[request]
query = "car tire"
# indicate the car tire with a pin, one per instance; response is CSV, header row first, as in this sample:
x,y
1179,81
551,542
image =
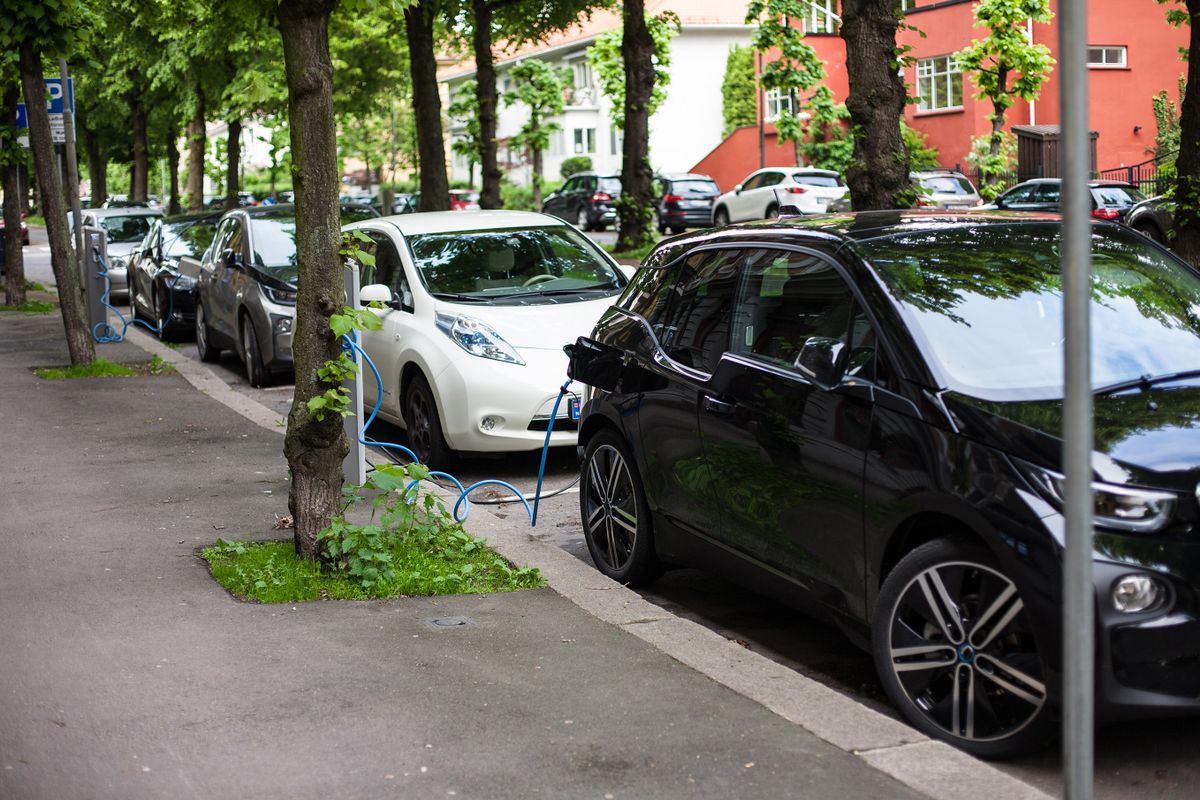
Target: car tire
x,y
425,437
204,346
1151,232
256,373
662,229
133,309
953,624
614,512
676,231
720,217
581,220
772,212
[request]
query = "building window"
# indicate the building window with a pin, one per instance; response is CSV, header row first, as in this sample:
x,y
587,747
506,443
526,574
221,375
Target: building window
x,y
616,141
905,5
585,141
779,104
1106,57
939,84
819,18
582,73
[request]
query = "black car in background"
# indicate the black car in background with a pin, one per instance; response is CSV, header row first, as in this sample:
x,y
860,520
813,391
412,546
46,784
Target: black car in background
x,y
861,416
1110,199
162,289
1154,218
685,201
587,199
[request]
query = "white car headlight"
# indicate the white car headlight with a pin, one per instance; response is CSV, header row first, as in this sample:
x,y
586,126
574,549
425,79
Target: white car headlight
x,y
1119,508
477,338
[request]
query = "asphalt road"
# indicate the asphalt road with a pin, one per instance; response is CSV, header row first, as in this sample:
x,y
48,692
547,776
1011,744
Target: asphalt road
x,y
1153,760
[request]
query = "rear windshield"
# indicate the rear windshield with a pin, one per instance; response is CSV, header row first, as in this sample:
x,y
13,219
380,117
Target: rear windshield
x,y
187,238
127,229
1118,196
609,185
466,197
947,184
694,188
831,181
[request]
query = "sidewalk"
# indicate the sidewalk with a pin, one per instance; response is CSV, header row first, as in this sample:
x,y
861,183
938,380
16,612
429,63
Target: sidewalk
x,y
126,672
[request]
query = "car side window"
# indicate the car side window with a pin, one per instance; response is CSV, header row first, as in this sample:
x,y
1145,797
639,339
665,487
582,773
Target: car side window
x,y
1022,194
1048,193
237,239
754,182
771,178
694,329
785,300
865,360
388,269
219,241
570,186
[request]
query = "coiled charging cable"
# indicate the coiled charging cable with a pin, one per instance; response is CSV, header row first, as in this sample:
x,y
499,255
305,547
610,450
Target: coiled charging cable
x,y
103,332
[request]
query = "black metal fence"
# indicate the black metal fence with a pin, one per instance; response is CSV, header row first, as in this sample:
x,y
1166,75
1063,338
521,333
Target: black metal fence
x,y
1147,176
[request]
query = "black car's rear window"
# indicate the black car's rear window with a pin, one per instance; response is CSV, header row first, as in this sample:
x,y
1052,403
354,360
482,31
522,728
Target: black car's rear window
x,y
694,188
1118,196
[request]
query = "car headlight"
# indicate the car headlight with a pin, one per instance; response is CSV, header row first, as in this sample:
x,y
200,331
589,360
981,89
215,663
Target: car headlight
x,y
284,297
477,338
1118,508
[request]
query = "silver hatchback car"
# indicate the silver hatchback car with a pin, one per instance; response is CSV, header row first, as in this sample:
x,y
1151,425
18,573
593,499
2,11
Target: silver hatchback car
x,y
945,189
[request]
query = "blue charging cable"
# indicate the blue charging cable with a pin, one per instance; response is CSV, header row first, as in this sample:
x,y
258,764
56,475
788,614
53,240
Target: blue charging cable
x,y
105,333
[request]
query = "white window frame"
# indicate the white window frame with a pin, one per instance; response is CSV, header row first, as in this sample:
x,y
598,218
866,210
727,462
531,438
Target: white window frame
x,y
584,141
581,74
908,5
776,103
946,70
616,140
820,17
1105,51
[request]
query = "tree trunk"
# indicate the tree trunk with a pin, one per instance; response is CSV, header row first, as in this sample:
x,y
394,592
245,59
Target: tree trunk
x,y
636,176
173,206
97,169
139,183
14,262
23,178
878,175
427,106
62,255
314,449
233,161
535,156
1187,164
196,145
485,90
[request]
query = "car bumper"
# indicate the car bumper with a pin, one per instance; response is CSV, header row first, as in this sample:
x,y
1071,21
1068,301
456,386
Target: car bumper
x,y
118,280
687,217
490,406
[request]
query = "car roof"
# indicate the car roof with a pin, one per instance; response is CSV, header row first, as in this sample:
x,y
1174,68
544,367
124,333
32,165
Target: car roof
x,y
455,221
127,211
591,173
1092,183
685,176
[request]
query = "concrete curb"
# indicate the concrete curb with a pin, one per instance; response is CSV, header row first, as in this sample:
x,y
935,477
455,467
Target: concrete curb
x,y
933,768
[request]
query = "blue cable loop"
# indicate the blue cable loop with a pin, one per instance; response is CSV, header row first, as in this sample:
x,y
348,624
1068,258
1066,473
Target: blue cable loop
x,y
350,345
104,333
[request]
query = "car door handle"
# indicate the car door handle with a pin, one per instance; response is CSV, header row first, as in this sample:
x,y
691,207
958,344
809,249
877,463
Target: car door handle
x,y
714,406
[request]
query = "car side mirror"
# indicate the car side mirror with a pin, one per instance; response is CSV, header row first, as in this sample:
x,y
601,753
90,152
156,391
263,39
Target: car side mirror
x,y
737,189
377,293
231,259
820,360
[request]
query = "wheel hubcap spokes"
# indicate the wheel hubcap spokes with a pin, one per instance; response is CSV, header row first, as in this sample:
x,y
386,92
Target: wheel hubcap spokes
x,y
611,506
419,432
963,651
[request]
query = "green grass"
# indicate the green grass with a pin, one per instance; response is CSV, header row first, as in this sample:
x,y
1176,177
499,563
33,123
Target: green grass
x,y
33,286
637,254
31,307
35,219
100,368
449,562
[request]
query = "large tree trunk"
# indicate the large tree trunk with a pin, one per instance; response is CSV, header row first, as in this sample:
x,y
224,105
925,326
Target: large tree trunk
x,y
23,178
535,156
1187,164
139,184
14,262
62,255
97,168
636,176
314,449
196,146
427,106
173,206
233,163
878,175
485,90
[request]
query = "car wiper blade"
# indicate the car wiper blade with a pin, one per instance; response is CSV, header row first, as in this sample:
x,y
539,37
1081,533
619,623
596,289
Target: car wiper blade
x,y
452,296
1146,381
581,290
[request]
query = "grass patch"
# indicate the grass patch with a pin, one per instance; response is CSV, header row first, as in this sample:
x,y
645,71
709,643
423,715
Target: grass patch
x,y
103,368
33,286
637,254
270,572
35,219
31,307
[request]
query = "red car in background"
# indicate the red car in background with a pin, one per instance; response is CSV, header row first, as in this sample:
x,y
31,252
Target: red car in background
x,y
464,200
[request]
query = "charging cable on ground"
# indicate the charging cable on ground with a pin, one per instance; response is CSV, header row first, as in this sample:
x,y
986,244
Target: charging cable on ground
x,y
103,332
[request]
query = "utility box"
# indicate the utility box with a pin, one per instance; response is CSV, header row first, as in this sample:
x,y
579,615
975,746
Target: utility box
x,y
95,240
1038,151
355,464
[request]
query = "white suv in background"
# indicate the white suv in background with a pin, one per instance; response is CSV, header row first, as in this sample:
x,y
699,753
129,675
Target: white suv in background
x,y
808,190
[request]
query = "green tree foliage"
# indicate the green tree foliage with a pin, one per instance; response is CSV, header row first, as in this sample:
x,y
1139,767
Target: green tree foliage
x,y
539,88
739,98
991,164
608,63
798,68
464,110
829,144
1005,66
920,155
574,164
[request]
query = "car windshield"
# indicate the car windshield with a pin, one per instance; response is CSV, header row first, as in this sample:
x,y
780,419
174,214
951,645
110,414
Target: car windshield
x,y
127,229
609,185
1118,196
985,305
517,265
947,184
695,188
831,181
188,238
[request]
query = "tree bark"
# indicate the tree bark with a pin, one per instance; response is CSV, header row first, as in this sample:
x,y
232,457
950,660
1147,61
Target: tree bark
x,y
878,175
139,183
427,106
14,261
173,206
62,255
485,91
196,146
1187,165
233,159
535,155
97,168
314,449
636,176
23,178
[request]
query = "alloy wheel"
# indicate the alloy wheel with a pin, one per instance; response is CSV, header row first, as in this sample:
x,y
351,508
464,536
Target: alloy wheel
x,y
610,510
420,426
964,654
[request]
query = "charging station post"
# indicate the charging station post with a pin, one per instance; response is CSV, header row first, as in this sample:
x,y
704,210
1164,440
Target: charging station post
x,y
93,257
355,464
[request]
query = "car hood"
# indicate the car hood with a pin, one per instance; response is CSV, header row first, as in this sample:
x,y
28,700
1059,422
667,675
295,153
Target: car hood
x,y
1147,438
122,249
539,327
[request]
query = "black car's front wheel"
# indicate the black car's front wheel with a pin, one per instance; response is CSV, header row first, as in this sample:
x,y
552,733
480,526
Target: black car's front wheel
x,y
612,504
956,653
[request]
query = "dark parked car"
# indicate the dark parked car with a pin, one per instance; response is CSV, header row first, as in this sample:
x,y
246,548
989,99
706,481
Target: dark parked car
x,y
587,199
685,201
1154,218
24,232
163,271
1110,199
862,416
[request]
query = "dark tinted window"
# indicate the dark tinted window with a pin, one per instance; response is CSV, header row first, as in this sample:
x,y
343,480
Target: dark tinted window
x,y
754,182
387,269
648,291
274,240
694,188
1020,194
947,184
770,178
1117,196
694,329
1048,193
831,181
785,299
188,238
610,186
127,229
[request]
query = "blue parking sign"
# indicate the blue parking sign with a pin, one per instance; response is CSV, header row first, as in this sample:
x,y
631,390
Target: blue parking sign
x,y
22,117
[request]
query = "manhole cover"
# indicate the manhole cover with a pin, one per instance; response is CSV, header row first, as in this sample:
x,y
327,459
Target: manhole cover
x,y
449,623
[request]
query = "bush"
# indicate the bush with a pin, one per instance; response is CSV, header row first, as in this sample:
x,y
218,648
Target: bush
x,y
574,164
520,198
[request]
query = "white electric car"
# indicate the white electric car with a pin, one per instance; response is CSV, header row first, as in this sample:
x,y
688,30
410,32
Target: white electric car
x,y
478,306
806,189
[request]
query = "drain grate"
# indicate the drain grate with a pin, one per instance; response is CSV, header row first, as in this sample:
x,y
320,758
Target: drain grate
x,y
449,623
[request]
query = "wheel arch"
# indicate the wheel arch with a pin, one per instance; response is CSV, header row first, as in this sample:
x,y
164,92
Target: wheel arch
x,y
919,529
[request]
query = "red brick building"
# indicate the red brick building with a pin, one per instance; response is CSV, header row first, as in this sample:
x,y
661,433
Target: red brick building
x,y
1132,53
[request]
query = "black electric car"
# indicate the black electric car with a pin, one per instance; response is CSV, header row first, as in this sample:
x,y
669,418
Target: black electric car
x,y
162,272
861,415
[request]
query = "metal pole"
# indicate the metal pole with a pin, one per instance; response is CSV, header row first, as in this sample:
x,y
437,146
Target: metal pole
x,y
1078,592
762,111
72,165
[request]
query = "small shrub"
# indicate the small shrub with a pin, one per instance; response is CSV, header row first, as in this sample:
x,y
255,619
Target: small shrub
x,y
574,164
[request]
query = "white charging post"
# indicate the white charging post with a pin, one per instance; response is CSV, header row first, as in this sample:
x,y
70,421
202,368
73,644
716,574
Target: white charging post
x,y
355,464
